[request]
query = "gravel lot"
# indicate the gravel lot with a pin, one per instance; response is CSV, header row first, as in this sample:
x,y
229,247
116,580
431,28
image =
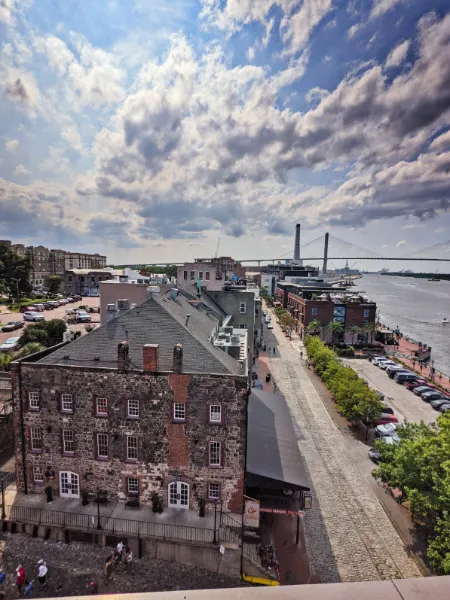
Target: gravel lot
x,y
72,567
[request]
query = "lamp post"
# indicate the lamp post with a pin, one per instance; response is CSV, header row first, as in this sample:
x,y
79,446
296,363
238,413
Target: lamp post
x,y
98,509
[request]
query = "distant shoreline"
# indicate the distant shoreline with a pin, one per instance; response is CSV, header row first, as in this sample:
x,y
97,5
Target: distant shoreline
x,y
442,276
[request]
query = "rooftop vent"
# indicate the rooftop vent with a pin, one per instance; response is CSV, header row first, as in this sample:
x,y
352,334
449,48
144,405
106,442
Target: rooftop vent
x,y
174,293
153,290
122,305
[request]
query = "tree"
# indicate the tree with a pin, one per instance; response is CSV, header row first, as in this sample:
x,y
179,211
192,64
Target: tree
x,y
354,330
14,272
335,327
5,359
314,327
53,283
370,328
439,547
30,348
46,333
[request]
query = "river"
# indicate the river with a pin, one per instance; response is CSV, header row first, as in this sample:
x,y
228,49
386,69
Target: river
x,y
417,306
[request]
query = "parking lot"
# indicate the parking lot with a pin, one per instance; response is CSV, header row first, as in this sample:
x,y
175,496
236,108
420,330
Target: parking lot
x,y
56,313
406,405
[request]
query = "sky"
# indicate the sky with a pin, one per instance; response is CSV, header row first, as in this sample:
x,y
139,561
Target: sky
x,y
158,131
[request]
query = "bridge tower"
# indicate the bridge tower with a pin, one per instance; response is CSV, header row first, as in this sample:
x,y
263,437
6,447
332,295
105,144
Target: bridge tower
x,y
325,254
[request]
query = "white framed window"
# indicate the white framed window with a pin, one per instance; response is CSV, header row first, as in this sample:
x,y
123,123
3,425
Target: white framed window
x,y
207,275
243,307
242,326
132,447
38,474
101,407
68,441
179,411
102,445
133,408
133,485
215,454
33,400
215,413
185,275
36,439
200,274
214,490
66,403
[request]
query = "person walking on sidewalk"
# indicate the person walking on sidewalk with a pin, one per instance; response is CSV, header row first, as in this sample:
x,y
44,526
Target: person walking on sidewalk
x,y
42,571
28,589
128,560
119,551
20,579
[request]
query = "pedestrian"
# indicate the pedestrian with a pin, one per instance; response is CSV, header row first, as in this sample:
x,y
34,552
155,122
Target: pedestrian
x,y
264,348
274,350
20,579
93,588
28,588
119,549
108,568
128,559
42,571
301,354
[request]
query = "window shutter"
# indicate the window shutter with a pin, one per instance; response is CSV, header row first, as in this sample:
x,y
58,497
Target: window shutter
x,y
94,405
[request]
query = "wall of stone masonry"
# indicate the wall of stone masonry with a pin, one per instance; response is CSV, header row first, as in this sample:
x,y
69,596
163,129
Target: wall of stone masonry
x,y
168,451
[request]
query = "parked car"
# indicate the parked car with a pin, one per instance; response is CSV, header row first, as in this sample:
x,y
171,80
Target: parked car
x,y
384,364
9,344
391,371
24,309
410,385
12,326
434,395
373,357
33,316
378,359
70,300
387,429
386,418
387,410
54,303
269,325
401,377
444,407
424,390
48,306
374,455
83,317
439,402
38,307
77,298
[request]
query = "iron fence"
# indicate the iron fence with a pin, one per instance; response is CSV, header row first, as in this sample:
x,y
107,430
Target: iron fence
x,y
7,478
71,520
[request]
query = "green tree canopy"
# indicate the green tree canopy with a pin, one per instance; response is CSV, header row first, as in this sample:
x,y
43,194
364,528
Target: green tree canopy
x,y
53,283
46,333
30,348
14,272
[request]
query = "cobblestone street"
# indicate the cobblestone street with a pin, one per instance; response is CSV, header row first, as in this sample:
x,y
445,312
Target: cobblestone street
x,y
349,536
71,567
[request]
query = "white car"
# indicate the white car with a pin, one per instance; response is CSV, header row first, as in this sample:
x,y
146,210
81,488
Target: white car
x,y
377,361
387,363
33,316
9,344
384,430
269,325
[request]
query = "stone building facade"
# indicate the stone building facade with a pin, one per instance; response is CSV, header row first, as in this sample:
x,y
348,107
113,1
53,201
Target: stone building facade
x,y
131,432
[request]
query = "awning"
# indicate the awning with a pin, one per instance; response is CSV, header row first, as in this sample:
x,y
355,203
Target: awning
x,y
273,457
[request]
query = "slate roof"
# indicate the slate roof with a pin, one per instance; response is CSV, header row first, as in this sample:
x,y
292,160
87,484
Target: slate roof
x,y
160,320
208,302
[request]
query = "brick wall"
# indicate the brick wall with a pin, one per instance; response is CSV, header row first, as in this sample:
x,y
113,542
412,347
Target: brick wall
x,y
167,450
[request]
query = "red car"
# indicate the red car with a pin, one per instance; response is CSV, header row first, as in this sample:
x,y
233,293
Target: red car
x,y
26,309
386,418
413,384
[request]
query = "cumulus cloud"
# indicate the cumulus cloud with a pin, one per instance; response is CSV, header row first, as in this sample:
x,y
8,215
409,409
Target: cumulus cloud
x,y
353,30
250,53
7,11
12,145
442,142
381,7
21,170
398,54
296,28
400,243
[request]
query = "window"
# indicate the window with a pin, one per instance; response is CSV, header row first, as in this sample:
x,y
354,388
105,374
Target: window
x,y
185,275
314,312
366,313
242,326
179,412
215,413
101,407
36,439
102,445
68,441
339,314
38,475
133,408
215,451
66,403
133,485
192,276
33,400
132,447
207,275
214,490
242,307
70,278
200,274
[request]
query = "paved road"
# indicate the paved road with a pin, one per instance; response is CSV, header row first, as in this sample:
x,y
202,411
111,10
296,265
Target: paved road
x,y
406,405
349,536
56,313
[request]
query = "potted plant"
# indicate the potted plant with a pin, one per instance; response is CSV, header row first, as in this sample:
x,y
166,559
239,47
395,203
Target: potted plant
x,y
157,503
201,507
84,497
49,493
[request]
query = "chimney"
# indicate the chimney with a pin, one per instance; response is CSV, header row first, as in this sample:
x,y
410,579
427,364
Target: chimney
x,y
188,316
178,359
297,244
150,358
110,312
123,360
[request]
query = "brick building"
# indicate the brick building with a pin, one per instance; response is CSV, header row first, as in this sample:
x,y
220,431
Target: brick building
x,y
144,404
307,304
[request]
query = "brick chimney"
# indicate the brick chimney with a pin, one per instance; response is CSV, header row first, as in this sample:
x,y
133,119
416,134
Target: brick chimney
x,y
150,357
123,359
178,359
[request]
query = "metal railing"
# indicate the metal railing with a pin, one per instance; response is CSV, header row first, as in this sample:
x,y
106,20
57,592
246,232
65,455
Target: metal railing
x,y
71,520
7,478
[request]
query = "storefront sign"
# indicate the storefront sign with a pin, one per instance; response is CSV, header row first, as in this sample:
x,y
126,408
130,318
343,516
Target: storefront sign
x,y
251,512
307,500
283,511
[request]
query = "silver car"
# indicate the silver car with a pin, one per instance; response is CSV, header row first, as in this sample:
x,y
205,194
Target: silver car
x,y
9,344
33,316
